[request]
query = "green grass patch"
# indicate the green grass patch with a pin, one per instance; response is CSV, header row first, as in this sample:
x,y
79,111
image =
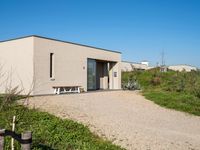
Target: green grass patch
x,y
50,132
178,101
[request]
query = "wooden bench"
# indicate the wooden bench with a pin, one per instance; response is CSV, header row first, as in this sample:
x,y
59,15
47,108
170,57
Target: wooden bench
x,y
66,89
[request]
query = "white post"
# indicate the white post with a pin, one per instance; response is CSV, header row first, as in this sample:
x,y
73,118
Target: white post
x,y
13,129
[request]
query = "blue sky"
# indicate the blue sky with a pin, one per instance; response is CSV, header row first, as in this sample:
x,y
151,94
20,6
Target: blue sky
x,y
140,29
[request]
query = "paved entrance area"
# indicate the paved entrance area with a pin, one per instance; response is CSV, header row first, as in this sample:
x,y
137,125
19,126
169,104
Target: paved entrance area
x,y
127,119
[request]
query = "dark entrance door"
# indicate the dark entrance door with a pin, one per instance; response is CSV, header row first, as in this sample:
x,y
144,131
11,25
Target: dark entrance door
x,y
91,74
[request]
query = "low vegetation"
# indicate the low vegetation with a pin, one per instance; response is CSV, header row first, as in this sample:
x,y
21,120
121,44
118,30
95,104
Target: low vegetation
x,y
49,132
175,90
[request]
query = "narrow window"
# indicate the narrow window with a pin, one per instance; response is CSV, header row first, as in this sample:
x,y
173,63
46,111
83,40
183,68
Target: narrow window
x,y
115,74
51,65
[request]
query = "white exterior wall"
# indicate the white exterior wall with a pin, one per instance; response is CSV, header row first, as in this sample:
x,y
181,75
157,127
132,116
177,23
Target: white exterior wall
x,y
70,62
186,68
16,59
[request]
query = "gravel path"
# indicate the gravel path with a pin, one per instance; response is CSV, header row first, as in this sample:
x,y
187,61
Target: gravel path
x,y
127,119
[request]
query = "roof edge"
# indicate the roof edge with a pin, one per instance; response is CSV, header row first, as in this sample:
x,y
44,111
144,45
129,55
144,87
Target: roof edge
x,y
183,65
132,62
53,39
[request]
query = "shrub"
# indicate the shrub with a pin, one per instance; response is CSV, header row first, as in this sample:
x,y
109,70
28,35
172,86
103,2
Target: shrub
x,y
131,84
196,89
156,81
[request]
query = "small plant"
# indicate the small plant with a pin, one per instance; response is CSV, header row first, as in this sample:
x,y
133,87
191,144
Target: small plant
x,y
197,92
9,98
131,84
181,86
196,89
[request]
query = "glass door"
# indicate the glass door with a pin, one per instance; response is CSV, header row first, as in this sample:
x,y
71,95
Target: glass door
x,y
91,74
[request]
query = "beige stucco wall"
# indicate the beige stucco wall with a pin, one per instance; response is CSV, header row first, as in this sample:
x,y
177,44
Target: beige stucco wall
x,y
115,82
16,59
70,64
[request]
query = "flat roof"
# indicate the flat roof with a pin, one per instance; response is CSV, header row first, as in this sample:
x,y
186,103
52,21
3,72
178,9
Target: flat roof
x,y
61,41
132,62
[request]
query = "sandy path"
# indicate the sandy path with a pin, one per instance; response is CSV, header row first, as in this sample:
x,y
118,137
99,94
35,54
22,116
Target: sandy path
x,y
127,119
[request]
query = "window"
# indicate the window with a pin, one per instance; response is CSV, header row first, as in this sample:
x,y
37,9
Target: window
x,y
115,74
51,65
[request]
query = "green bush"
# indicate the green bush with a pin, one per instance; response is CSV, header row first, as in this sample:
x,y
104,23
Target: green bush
x,y
196,90
131,83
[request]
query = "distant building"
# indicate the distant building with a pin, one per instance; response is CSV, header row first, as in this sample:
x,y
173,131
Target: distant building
x,y
163,68
131,66
187,68
145,63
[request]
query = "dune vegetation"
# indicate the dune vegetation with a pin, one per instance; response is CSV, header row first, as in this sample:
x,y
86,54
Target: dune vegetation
x,y
171,89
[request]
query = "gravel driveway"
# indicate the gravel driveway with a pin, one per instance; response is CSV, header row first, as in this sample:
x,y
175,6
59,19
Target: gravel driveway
x,y
127,119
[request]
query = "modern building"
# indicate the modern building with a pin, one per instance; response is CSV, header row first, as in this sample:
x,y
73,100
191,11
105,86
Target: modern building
x,y
38,64
187,68
132,66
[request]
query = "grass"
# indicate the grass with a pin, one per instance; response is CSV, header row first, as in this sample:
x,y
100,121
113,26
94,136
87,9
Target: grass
x,y
50,132
174,100
174,90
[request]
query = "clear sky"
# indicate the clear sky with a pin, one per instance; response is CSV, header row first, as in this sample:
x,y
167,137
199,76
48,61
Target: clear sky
x,y
140,29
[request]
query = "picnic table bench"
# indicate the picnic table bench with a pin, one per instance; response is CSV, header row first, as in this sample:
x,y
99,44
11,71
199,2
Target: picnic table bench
x,y
66,89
